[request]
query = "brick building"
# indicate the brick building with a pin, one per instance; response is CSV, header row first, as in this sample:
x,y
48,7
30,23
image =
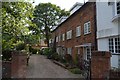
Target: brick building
x,y
77,34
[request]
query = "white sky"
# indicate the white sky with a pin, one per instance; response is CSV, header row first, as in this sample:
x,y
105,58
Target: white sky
x,y
64,4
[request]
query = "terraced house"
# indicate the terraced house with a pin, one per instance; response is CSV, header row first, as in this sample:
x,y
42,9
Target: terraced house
x,y
77,33
108,29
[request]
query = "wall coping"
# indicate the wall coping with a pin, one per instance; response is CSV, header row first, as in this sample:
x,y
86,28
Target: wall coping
x,y
101,54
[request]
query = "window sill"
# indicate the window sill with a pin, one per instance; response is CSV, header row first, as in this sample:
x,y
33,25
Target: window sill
x,y
69,39
115,18
78,36
115,53
87,33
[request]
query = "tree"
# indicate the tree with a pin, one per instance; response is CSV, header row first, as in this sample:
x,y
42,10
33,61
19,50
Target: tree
x,y
16,22
47,16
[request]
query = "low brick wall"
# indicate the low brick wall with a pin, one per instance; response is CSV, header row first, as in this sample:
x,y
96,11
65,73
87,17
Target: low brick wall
x,y
19,65
6,69
16,68
100,65
114,75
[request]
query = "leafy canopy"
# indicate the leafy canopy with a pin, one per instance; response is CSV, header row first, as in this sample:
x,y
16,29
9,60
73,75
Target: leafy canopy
x,y
16,22
47,16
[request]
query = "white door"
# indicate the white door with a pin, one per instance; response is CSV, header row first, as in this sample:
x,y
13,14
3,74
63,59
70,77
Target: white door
x,y
87,53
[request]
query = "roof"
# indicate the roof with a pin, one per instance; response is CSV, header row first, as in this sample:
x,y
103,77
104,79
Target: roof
x,y
71,15
76,4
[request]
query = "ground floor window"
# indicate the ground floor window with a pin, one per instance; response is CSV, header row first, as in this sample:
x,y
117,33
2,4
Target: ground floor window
x,y
78,51
114,45
69,51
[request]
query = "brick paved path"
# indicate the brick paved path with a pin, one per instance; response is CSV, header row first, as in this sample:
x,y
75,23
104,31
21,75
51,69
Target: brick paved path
x,y
40,67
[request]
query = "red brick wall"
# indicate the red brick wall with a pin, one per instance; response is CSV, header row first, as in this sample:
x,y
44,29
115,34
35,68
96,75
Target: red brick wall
x,y
18,65
100,65
86,13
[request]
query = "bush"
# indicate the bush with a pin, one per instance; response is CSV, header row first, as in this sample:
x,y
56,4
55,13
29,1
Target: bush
x,y
20,46
48,52
55,56
76,71
33,50
7,55
76,60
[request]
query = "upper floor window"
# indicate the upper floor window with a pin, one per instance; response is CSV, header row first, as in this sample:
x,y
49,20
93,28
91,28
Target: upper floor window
x,y
118,7
63,37
69,34
78,31
57,39
87,28
114,45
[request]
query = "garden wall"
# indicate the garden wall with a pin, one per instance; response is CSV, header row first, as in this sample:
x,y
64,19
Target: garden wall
x,y
16,68
100,65
19,65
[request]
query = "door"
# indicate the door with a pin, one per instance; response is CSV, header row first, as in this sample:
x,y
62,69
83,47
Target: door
x,y
87,53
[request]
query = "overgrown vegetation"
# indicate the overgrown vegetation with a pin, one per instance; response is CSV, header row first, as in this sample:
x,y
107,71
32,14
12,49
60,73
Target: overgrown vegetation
x,y
76,71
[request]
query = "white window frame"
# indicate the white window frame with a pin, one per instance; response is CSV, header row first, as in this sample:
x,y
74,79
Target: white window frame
x,y
57,39
117,7
78,51
114,45
87,28
87,51
69,34
69,51
63,37
78,31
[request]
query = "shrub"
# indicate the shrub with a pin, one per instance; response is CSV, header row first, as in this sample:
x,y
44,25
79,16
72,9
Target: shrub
x,y
76,60
7,55
76,71
48,52
20,46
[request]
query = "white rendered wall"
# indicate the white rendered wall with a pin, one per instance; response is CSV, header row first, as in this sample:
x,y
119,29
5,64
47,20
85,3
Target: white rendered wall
x,y
106,28
114,61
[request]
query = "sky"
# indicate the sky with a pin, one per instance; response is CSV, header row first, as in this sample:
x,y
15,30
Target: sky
x,y
64,4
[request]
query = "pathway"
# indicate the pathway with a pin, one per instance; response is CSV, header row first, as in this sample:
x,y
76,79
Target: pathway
x,y
40,67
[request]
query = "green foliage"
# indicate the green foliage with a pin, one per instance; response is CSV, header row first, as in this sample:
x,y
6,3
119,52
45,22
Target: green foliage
x,y
76,60
20,46
7,55
33,50
47,16
47,51
76,71
16,22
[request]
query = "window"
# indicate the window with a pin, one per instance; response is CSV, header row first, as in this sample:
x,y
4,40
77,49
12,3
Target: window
x,y
111,45
87,28
119,63
118,7
57,39
78,31
63,37
69,50
50,41
78,51
114,45
117,45
69,34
